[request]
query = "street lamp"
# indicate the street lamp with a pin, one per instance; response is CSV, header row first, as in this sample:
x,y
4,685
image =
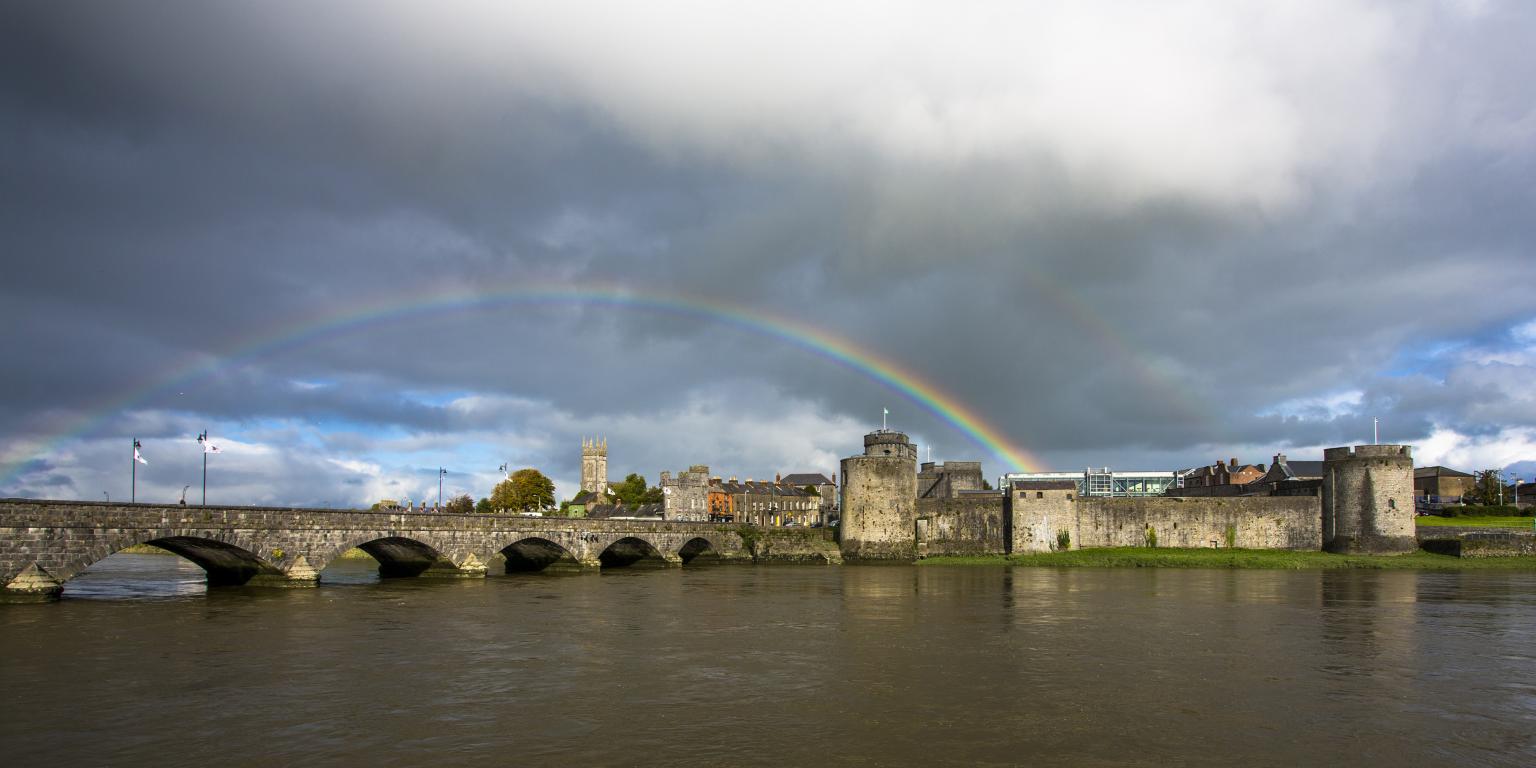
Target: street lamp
x,y
208,448
108,496
133,487
441,473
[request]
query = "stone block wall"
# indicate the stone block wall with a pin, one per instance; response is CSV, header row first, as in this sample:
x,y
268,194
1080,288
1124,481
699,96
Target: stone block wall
x,y
964,525
1245,522
1041,515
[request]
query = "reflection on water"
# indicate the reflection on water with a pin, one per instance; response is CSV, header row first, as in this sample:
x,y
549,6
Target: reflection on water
x,y
778,666
132,577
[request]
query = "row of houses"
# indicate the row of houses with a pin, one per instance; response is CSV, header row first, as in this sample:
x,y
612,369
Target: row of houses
x,y
1433,486
799,499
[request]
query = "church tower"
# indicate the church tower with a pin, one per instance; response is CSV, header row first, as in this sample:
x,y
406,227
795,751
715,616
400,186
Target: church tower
x,y
594,465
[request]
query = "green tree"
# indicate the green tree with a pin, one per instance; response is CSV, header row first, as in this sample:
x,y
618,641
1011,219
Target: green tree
x,y
811,489
1486,489
527,490
462,504
483,506
632,492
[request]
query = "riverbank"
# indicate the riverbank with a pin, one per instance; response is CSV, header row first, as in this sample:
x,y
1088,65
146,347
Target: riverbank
x,y
1163,557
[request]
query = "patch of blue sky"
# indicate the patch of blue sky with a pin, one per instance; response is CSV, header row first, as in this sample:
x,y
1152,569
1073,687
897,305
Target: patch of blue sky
x,y
1318,407
1436,357
1427,358
436,398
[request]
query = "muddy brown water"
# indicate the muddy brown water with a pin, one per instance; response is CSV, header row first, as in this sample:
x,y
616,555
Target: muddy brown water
x,y
783,666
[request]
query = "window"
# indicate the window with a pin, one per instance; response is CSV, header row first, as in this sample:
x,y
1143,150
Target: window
x,y
1039,494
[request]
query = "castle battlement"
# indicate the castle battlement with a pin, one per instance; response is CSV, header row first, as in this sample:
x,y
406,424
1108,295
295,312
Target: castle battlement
x,y
1368,452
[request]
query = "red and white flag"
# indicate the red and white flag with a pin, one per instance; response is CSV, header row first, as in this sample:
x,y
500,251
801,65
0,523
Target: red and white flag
x,y
138,457
209,447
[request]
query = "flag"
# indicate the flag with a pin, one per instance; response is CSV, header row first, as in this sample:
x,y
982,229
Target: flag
x,y
209,447
137,457
885,411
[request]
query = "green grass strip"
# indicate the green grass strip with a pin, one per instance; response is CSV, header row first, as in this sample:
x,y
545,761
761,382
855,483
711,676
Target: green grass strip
x,y
1164,557
1523,523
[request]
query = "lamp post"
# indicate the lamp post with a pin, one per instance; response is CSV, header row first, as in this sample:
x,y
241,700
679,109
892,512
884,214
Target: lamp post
x,y
202,440
133,488
107,496
441,473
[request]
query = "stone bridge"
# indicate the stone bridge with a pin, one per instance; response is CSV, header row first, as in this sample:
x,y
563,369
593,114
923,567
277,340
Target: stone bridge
x,y
46,543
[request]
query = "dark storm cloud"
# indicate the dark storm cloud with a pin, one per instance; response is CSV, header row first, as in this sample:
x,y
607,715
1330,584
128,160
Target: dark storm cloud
x,y
1127,240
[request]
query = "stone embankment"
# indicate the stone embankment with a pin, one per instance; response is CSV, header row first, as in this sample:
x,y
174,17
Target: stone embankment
x,y
1478,541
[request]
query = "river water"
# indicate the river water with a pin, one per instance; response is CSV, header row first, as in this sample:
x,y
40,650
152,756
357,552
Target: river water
x,y
781,666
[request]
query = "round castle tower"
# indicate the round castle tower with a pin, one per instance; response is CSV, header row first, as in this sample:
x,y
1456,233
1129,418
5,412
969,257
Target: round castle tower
x,y
880,499
1368,499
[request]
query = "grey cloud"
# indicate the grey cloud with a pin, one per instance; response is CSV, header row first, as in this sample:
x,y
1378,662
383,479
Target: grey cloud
x,y
1141,282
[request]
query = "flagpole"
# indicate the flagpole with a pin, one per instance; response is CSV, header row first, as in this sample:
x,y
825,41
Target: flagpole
x,y
202,440
133,488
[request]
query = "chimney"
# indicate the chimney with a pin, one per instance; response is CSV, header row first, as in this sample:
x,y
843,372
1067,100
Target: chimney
x,y
733,478
778,478
1232,463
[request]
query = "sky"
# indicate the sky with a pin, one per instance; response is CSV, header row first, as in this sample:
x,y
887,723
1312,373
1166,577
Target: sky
x,y
359,242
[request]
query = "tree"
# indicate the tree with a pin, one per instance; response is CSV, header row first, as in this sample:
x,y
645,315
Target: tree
x,y
985,485
462,504
527,490
1489,483
633,491
811,489
484,507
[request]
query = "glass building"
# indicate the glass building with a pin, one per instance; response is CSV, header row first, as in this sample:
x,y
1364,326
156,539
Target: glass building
x,y
1102,481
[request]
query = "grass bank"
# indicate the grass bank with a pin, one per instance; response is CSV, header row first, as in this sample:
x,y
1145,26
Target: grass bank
x,y
1432,521
1164,557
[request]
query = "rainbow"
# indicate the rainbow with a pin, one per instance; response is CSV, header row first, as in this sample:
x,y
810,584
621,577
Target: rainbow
x,y
900,380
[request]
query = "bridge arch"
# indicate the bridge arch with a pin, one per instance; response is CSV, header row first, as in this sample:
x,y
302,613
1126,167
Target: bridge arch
x,y
398,556
228,559
537,553
696,548
630,550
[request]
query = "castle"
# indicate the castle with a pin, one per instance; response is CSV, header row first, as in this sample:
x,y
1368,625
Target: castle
x,y
894,511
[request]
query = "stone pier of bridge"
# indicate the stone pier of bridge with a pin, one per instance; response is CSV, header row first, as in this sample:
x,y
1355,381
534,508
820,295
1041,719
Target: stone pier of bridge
x,y
45,543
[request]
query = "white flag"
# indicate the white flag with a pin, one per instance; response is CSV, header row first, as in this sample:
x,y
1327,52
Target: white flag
x,y
138,458
209,447
885,411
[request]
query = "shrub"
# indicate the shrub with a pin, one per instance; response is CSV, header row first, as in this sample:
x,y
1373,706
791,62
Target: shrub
x,y
1151,536
1487,510
1231,537
1063,540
